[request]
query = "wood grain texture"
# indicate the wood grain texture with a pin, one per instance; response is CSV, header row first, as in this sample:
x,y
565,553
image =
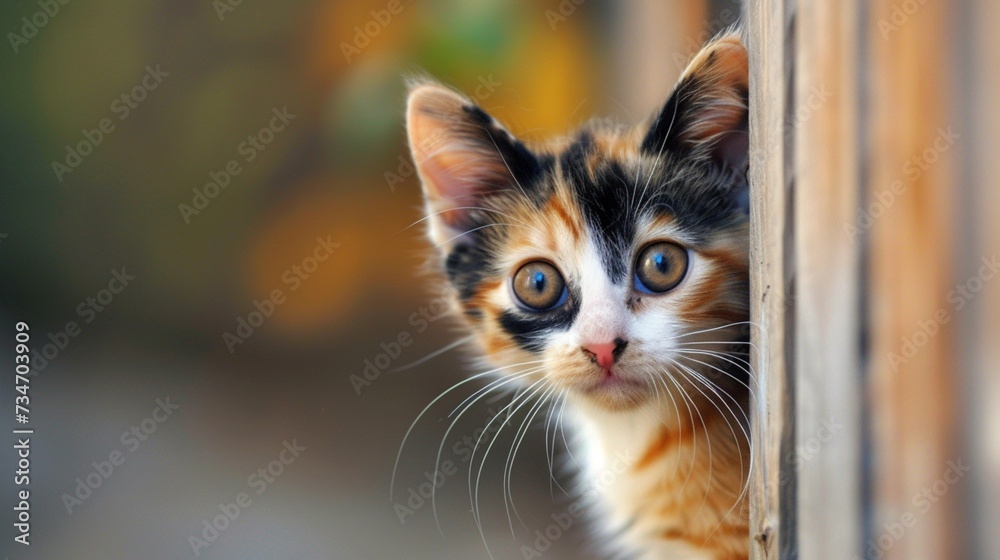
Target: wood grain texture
x,y
827,257
772,498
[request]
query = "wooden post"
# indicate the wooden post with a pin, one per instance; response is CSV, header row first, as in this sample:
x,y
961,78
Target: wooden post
x,y
979,75
806,278
827,263
827,280
913,370
772,498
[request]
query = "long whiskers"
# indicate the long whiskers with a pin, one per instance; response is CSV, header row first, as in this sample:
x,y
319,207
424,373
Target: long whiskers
x,y
519,436
399,454
743,365
688,402
700,378
475,397
525,397
550,451
482,208
434,354
475,229
726,326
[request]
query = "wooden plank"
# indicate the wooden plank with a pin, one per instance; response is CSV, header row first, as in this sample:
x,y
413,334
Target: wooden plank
x,y
980,326
772,492
913,372
827,259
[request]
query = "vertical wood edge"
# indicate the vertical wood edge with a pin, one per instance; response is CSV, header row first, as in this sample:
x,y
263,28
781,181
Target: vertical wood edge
x,y
767,33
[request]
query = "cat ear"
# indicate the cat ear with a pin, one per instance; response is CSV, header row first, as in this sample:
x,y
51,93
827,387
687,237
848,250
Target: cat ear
x,y
462,155
707,113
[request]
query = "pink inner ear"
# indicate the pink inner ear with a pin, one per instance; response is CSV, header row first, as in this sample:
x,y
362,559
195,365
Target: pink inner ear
x,y
458,151
449,188
718,114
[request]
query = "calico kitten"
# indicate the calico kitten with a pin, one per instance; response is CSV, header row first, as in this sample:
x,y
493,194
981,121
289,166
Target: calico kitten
x,y
610,269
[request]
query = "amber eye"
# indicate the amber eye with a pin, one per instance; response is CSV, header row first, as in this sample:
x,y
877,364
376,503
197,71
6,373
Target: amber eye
x,y
538,286
660,267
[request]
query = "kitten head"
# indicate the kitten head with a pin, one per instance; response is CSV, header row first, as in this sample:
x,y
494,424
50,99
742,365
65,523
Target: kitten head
x,y
600,265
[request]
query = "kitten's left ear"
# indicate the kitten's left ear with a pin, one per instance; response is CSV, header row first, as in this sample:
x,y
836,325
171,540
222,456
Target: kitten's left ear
x,y
462,156
707,113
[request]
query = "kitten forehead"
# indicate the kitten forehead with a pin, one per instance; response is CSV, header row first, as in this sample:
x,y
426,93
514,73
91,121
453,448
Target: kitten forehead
x,y
617,188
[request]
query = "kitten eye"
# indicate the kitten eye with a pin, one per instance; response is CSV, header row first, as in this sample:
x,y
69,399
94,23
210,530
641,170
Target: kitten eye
x,y
660,267
539,286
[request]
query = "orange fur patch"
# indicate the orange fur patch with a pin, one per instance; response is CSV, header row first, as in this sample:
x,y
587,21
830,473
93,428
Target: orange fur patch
x,y
665,440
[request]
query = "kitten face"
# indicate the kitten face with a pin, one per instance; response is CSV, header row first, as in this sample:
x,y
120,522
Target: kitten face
x,y
587,266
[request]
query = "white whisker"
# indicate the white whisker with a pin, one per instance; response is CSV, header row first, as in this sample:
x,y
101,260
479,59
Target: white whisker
x,y
475,496
507,379
424,411
519,435
434,354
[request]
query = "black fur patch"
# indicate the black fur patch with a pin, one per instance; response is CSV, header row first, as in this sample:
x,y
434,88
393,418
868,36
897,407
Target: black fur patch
x,y
529,330
478,115
704,199
466,267
523,164
699,196
604,199
667,125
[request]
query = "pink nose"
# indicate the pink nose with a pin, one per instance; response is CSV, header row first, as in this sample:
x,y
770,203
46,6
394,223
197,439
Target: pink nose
x,y
605,353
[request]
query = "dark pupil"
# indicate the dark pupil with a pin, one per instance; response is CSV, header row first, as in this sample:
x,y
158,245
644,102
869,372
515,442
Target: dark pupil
x,y
661,262
538,281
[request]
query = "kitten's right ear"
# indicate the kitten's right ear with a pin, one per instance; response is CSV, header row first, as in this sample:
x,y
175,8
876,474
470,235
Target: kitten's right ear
x,y
462,155
706,116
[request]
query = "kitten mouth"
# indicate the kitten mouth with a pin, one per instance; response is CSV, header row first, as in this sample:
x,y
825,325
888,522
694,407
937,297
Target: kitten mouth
x,y
615,392
616,382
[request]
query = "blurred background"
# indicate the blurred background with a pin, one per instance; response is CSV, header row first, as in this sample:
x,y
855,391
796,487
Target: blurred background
x,y
207,209
201,81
